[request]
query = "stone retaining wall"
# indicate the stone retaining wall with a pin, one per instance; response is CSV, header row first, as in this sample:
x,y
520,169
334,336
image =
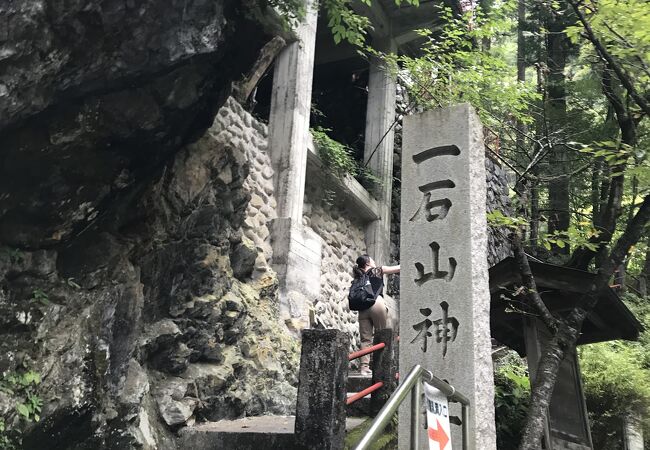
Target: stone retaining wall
x,y
497,200
342,233
250,137
343,241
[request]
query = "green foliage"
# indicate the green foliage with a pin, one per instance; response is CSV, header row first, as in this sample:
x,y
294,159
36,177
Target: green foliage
x,y
346,25
386,441
339,159
622,158
511,401
575,237
22,389
453,69
497,219
623,27
40,296
616,378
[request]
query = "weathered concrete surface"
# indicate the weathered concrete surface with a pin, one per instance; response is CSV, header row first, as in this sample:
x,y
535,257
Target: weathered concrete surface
x,y
633,433
289,117
444,306
296,250
297,261
320,408
249,433
378,149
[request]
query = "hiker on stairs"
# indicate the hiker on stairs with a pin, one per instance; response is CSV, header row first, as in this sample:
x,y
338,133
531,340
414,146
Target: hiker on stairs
x,y
366,296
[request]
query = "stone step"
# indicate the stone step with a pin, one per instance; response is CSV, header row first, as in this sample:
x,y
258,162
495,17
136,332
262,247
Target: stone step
x,y
249,433
358,382
359,408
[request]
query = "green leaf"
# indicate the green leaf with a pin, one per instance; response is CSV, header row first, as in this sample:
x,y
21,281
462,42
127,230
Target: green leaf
x,y
22,409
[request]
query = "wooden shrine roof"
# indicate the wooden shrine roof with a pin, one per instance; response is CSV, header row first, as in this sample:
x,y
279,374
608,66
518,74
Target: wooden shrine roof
x,y
560,288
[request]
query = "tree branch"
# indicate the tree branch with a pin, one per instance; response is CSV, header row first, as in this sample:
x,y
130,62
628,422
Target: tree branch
x,y
528,281
609,60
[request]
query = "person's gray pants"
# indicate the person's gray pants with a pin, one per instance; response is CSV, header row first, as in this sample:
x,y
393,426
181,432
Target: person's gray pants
x,y
372,318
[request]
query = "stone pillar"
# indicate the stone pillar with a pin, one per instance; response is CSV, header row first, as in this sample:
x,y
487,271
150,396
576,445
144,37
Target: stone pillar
x,y
632,433
320,408
384,368
445,299
379,143
296,251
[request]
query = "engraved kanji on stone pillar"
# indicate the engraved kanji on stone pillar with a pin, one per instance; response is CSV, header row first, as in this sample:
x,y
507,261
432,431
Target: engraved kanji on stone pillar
x,y
444,292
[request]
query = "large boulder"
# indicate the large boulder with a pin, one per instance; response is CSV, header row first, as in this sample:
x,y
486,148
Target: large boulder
x,y
116,232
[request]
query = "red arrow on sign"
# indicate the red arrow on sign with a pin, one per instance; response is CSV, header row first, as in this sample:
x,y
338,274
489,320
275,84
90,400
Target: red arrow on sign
x,y
439,435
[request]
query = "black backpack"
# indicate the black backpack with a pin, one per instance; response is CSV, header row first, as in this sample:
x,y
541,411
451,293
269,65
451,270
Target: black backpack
x,y
361,295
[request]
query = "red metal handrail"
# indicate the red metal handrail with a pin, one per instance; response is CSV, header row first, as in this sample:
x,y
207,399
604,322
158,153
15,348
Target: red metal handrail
x,y
365,351
359,395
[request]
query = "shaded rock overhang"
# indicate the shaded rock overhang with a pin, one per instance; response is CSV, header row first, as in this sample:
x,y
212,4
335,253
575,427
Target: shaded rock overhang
x,y
96,96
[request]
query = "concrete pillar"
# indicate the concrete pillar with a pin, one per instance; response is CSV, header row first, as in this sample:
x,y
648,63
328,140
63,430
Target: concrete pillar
x,y
296,251
444,290
289,117
320,408
379,143
632,433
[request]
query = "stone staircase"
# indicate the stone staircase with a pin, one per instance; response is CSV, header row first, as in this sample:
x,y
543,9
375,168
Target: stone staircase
x,y
267,432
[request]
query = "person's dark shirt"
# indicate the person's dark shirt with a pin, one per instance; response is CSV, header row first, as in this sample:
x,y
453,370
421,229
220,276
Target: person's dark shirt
x,y
376,277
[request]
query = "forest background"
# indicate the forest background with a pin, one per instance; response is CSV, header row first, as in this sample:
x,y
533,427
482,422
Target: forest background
x,y
564,89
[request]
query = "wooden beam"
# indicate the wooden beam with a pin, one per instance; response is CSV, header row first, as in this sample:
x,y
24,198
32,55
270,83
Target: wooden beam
x,y
243,89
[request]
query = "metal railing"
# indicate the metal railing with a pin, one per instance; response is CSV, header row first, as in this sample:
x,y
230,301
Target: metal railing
x,y
412,384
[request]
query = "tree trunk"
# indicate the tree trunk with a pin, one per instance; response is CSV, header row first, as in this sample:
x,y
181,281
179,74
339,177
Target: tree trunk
x,y
534,212
611,211
558,188
644,276
564,340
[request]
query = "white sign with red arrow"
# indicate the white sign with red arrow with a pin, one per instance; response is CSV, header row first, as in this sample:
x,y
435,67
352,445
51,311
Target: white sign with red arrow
x,y
437,418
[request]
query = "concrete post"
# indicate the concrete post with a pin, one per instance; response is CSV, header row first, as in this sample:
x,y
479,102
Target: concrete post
x,y
444,291
289,117
320,408
296,251
379,143
384,368
632,433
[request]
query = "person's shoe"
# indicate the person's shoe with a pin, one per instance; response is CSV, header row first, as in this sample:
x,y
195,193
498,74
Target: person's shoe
x,y
365,371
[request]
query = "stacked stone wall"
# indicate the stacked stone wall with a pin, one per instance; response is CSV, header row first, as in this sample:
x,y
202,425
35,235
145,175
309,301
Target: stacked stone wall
x,y
342,232
343,241
497,200
250,137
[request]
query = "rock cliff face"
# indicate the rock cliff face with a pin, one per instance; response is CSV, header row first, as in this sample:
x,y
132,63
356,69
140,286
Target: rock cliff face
x,y
120,223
